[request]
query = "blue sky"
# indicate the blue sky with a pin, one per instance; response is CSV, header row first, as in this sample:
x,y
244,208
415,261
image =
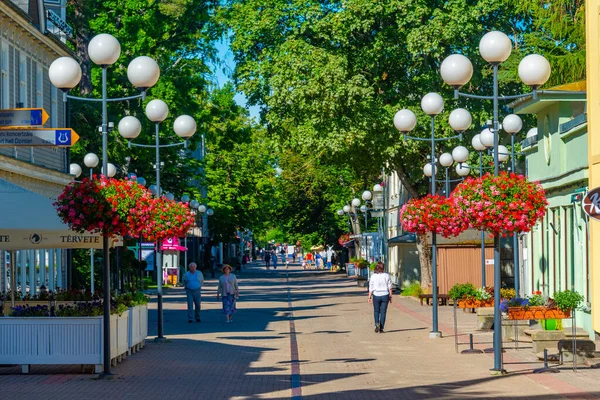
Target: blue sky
x,y
223,74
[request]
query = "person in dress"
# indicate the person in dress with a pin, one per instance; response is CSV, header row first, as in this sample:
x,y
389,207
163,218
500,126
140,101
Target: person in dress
x,y
380,294
229,292
192,281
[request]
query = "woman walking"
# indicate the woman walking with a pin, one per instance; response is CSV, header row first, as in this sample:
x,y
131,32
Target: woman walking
x,y
380,294
228,289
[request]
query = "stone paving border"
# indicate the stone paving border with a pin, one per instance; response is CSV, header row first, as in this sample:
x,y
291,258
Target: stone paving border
x,y
296,380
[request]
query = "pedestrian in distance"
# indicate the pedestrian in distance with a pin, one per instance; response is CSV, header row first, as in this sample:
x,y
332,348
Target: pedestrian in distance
x,y
380,294
267,259
192,281
309,260
274,259
228,290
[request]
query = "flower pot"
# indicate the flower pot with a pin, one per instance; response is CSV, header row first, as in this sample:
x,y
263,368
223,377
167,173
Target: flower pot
x,y
467,304
537,313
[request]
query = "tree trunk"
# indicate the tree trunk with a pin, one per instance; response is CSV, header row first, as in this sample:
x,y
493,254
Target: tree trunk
x,y
80,22
424,249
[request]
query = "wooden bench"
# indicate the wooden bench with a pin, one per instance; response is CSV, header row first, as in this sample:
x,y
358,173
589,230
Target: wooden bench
x,y
442,298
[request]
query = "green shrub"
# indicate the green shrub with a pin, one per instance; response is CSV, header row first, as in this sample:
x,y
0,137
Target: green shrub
x,y
414,289
462,290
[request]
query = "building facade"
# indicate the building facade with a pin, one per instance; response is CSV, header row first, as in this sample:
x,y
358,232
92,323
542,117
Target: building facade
x,y
558,247
26,51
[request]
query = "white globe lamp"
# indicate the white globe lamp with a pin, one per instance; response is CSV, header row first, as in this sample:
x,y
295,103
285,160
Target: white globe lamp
x,y
460,154
405,120
456,70
184,126
64,73
446,160
502,153
366,196
157,110
129,127
75,170
427,170
534,70
495,47
346,208
104,49
463,169
143,72
432,104
476,143
512,124
355,202
460,119
112,170
487,138
91,160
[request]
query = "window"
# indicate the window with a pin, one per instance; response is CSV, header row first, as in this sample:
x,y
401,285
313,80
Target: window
x,y
54,111
23,81
39,86
5,73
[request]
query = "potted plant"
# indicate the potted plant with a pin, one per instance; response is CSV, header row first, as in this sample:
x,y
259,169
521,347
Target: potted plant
x,y
568,300
484,297
464,294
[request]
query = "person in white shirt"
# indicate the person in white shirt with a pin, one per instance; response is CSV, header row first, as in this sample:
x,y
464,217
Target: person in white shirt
x,y
193,281
380,294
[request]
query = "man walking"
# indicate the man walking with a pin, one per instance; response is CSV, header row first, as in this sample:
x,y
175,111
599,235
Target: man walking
x,y
192,281
267,259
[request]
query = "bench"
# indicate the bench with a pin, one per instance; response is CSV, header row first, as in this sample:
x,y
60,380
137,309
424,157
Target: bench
x,y
442,298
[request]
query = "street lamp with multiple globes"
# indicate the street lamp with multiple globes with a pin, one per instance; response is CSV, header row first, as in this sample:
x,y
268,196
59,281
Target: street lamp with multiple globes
x,y
534,70
129,128
459,154
405,121
65,73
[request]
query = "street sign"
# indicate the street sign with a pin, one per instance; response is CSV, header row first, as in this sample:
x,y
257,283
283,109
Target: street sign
x,y
64,137
14,117
591,203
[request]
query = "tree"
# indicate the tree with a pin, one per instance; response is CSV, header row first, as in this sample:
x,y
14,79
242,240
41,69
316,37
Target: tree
x,y
330,76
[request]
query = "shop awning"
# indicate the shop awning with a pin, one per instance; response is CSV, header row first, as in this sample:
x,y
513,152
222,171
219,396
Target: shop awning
x,y
29,221
407,238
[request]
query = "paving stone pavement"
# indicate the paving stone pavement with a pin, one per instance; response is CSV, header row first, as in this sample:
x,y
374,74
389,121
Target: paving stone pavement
x,y
302,335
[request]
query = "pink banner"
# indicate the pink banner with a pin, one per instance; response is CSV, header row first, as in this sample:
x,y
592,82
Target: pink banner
x,y
172,244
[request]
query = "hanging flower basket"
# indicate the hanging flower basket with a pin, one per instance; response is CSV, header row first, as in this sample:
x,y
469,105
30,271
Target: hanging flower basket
x,y
109,206
344,238
501,204
433,213
166,219
537,312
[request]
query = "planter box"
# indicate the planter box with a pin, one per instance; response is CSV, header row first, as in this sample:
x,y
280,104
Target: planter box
x,y
51,340
537,313
138,327
7,304
475,303
61,340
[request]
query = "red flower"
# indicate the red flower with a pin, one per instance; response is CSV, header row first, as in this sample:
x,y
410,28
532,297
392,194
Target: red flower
x,y
433,214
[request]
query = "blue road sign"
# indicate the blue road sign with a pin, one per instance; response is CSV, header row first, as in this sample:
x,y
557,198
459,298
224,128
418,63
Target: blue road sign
x,y
15,117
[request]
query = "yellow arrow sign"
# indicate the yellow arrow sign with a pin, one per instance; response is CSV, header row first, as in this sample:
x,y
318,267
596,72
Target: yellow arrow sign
x,y
22,117
63,137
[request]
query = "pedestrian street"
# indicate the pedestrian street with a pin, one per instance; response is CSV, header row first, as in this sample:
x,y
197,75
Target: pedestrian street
x,y
301,334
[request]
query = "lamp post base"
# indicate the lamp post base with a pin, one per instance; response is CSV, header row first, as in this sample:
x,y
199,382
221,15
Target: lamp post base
x,y
435,335
160,339
500,371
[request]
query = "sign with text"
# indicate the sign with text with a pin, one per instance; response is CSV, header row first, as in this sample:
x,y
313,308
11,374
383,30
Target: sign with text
x,y
65,137
591,203
13,117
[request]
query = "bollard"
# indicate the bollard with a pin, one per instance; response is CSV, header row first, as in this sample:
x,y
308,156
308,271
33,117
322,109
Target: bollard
x,y
546,368
471,350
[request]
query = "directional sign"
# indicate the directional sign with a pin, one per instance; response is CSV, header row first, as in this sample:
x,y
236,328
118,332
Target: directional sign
x,y
23,117
64,137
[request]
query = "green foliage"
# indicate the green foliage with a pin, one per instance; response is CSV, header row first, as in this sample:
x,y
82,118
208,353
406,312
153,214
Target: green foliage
x,y
372,266
568,300
361,263
414,289
462,290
